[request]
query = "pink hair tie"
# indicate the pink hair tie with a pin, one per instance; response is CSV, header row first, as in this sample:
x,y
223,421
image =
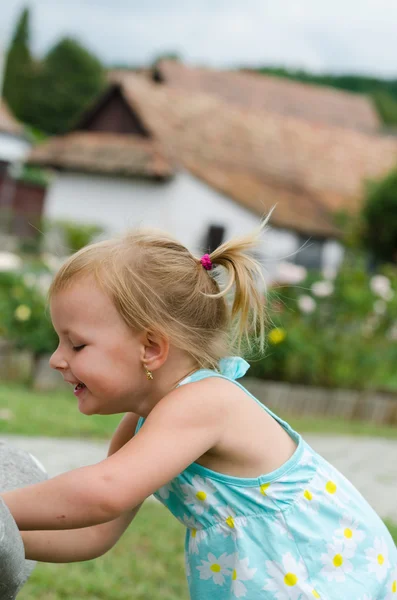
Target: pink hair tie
x,y
206,262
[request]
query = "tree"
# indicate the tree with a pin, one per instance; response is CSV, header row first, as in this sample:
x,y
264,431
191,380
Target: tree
x,y
19,68
69,79
380,218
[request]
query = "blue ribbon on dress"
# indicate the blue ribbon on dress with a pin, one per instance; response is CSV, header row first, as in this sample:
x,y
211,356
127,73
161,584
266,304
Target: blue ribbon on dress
x,y
233,367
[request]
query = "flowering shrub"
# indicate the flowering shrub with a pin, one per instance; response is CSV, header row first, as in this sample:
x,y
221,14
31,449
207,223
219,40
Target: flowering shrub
x,y
337,330
24,318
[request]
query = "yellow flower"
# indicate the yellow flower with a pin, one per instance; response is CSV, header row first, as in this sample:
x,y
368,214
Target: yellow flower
x,y
22,313
277,335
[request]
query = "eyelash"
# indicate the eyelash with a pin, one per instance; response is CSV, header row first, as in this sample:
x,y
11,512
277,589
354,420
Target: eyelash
x,y
77,348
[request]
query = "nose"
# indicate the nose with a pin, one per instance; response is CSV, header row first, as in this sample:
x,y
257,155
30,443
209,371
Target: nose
x,y
57,361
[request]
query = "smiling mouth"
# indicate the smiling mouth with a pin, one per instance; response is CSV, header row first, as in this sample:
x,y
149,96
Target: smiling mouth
x,y
78,387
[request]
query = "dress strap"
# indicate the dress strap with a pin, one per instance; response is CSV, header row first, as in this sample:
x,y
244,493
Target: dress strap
x,y
232,367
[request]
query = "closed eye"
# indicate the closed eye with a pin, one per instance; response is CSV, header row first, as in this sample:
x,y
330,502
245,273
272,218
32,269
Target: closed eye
x,y
78,348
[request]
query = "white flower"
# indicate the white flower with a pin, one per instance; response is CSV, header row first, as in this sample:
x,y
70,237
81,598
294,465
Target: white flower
x,y
380,285
306,458
336,563
392,586
349,532
266,493
165,490
279,523
392,333
229,523
329,272
29,280
217,568
378,559
380,307
197,534
241,572
290,273
321,289
306,304
9,261
326,484
287,580
44,281
200,495
307,500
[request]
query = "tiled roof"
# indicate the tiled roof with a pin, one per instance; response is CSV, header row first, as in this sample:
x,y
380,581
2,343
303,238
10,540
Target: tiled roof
x,y
106,153
256,158
8,123
262,158
285,97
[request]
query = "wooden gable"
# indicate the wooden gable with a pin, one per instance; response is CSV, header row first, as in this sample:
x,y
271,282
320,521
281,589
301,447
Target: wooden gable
x,y
112,114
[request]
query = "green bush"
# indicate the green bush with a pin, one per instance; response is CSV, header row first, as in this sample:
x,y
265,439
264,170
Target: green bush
x,y
24,319
379,214
334,333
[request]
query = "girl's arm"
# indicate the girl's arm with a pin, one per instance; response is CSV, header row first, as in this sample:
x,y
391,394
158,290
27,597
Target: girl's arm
x,y
76,545
182,427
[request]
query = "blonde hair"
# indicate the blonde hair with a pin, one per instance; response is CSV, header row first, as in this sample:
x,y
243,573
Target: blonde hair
x,y
156,284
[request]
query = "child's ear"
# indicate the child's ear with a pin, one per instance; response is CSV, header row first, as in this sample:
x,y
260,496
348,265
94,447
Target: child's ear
x,y
155,350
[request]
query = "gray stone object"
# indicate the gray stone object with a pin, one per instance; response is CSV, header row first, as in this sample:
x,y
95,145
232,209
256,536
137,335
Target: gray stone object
x,y
17,469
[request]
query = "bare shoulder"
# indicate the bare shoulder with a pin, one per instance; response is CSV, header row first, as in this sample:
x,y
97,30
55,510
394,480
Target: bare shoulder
x,y
199,405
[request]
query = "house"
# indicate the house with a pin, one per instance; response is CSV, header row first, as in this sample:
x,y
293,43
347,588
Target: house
x,y
259,92
206,169
21,203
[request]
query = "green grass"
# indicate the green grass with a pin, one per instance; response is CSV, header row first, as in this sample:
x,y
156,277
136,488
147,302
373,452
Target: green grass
x,y
147,563
55,414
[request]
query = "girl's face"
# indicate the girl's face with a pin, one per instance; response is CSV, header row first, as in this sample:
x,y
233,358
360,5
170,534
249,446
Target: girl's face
x,y
98,353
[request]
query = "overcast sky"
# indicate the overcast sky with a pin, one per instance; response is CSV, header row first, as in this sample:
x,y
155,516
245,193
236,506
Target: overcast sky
x,y
356,36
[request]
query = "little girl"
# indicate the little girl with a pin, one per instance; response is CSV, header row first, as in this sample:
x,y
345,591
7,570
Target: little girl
x,y
145,329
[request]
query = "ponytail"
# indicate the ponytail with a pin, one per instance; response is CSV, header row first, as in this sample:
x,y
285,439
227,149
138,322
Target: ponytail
x,y
245,277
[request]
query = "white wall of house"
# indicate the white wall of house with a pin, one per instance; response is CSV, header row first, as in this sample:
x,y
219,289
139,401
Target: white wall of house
x,y
13,148
184,206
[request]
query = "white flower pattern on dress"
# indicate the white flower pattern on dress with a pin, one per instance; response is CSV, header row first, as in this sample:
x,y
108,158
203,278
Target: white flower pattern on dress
x,y
330,488
229,523
216,568
392,586
197,533
336,564
349,532
281,526
200,494
288,579
165,490
308,499
241,572
378,559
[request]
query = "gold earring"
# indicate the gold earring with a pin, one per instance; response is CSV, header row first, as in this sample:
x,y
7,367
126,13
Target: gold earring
x,y
149,374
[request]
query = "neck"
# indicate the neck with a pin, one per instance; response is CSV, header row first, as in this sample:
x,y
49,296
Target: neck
x,y
177,367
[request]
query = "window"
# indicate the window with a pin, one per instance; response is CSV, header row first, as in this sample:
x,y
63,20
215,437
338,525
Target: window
x,y
310,252
214,237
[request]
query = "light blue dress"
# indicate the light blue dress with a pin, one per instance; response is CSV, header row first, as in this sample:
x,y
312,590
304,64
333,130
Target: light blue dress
x,y
300,532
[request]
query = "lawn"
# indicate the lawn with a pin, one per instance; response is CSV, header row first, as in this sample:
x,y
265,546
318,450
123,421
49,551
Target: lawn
x,y
146,564
55,414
